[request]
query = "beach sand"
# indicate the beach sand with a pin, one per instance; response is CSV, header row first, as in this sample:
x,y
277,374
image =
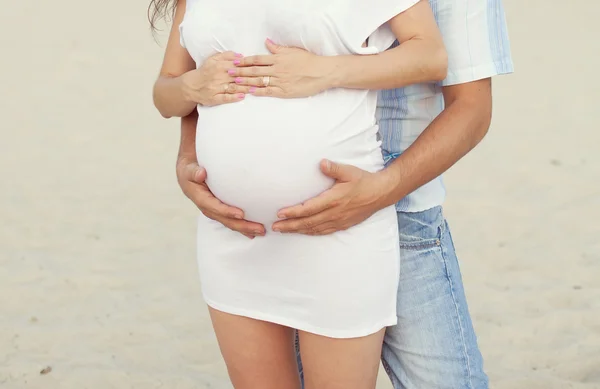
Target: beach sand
x,y
97,272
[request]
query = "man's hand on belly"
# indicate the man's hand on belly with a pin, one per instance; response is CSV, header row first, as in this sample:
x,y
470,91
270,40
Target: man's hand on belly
x,y
356,195
191,178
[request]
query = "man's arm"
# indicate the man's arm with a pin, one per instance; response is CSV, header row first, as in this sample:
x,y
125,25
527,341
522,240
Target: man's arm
x,y
358,194
477,50
456,131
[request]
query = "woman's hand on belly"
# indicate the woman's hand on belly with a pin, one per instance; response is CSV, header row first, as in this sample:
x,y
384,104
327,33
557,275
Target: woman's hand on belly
x,y
211,85
291,72
191,179
356,196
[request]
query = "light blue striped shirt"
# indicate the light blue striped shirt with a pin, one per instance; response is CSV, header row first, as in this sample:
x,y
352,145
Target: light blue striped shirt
x,y
476,38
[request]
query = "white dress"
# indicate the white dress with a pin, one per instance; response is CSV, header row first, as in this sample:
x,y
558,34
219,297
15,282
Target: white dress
x,y
262,154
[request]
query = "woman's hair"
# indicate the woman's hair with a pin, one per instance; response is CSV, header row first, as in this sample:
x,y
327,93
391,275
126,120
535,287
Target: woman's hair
x,y
160,9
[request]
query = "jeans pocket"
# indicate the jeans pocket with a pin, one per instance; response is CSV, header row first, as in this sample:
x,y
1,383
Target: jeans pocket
x,y
421,230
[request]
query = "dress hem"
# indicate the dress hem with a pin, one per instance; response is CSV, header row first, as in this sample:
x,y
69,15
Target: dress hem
x,y
329,333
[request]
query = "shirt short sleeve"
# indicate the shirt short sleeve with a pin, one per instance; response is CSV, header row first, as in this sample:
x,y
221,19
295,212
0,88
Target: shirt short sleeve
x,y
476,39
188,5
361,20
181,41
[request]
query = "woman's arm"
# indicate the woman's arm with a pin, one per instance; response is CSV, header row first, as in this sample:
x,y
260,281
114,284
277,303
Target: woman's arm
x,y
168,92
421,57
180,87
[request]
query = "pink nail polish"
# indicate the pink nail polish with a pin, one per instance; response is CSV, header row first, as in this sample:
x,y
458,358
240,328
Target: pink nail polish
x,y
239,55
241,95
252,89
238,80
231,72
270,41
237,62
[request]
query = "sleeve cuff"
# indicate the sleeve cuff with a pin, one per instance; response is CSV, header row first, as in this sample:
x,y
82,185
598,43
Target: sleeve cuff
x,y
469,74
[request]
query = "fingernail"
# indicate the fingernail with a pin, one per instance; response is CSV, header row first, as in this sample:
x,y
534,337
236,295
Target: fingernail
x,y
276,229
252,89
257,232
237,62
270,41
231,72
241,95
238,80
239,217
239,55
281,215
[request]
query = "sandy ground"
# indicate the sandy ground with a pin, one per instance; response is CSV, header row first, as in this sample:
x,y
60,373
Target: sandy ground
x,y
97,271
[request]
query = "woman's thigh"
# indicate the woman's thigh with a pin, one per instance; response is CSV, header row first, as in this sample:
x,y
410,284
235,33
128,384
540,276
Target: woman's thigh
x,y
258,354
340,363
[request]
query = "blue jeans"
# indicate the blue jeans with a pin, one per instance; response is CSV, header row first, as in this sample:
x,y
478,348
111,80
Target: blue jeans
x,y
433,346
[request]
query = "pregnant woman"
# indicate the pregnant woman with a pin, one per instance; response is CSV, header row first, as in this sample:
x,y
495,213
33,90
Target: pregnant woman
x,y
262,154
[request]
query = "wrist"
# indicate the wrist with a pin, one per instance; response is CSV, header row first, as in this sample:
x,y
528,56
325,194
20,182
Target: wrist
x,y
389,187
331,66
187,152
185,158
183,84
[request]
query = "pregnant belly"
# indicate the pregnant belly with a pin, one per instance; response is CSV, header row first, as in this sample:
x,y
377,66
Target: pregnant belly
x,y
263,156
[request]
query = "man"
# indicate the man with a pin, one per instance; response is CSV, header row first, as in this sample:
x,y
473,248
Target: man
x,y
424,129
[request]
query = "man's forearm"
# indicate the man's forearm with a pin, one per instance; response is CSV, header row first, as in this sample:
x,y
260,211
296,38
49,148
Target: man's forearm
x,y
187,143
456,131
170,98
412,62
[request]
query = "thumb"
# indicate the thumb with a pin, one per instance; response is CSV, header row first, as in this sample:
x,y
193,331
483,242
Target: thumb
x,y
196,173
273,47
338,171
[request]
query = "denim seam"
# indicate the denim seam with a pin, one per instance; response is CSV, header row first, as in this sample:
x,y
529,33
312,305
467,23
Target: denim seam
x,y
460,323
386,367
420,245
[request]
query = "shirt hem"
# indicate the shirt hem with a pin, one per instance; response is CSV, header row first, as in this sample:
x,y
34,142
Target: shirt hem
x,y
427,197
329,333
420,208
